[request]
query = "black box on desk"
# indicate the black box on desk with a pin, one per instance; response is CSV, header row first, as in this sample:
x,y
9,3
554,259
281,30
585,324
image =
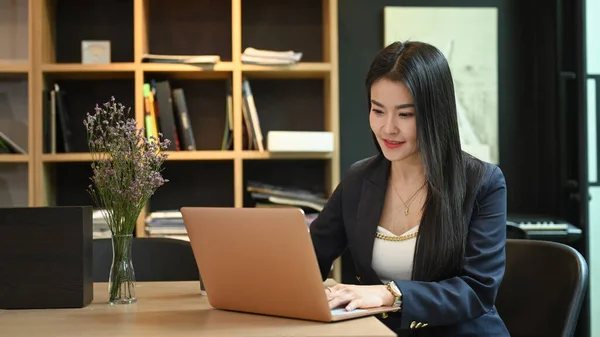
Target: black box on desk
x,y
46,257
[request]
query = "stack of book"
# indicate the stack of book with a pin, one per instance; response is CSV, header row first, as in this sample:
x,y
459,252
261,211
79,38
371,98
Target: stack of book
x,y
100,226
168,223
270,57
266,195
166,112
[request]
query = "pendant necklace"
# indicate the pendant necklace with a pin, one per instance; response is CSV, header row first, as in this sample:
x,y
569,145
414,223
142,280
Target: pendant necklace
x,y
410,200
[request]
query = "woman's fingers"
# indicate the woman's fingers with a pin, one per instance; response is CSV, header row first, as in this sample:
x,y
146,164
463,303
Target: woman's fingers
x,y
356,303
340,296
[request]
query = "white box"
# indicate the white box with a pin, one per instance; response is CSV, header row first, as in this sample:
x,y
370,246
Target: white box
x,y
300,141
95,52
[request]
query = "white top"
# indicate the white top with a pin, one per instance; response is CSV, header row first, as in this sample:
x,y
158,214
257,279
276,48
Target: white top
x,y
392,260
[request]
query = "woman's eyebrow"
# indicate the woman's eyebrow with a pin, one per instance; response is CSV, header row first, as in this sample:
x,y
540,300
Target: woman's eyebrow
x,y
401,106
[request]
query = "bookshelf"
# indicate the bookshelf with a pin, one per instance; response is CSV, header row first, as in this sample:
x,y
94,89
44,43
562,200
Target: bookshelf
x,y
45,38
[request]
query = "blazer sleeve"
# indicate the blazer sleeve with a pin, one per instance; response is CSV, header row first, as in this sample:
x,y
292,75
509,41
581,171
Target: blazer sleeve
x,y
328,234
473,294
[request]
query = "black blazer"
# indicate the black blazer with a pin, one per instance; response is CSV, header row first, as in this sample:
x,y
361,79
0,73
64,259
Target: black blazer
x,y
459,306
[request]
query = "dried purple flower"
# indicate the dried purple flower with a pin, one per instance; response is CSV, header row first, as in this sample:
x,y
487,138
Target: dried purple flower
x,y
126,165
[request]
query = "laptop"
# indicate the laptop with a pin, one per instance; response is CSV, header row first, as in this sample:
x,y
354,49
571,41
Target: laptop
x,y
261,261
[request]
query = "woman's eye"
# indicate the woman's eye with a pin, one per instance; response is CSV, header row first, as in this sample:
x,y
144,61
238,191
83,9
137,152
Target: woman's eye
x,y
377,111
405,115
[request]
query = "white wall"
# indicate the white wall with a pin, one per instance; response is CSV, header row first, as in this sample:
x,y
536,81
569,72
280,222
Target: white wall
x,y
593,68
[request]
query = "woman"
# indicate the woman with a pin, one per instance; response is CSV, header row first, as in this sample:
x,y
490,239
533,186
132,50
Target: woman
x,y
424,221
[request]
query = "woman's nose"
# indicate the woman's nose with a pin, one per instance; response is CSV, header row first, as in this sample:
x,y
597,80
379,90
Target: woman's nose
x,y
390,127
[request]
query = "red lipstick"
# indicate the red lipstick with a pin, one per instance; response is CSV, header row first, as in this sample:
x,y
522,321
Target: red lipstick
x,y
390,144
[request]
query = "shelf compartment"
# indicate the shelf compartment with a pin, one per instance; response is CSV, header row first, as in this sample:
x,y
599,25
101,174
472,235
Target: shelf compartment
x,y
68,183
14,191
14,108
289,104
195,184
206,102
284,25
81,97
303,174
192,27
73,21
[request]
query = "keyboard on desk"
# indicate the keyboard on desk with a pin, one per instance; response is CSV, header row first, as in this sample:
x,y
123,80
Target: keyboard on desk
x,y
547,229
543,226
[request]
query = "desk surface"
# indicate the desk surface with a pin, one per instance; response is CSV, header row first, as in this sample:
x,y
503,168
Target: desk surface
x,y
169,309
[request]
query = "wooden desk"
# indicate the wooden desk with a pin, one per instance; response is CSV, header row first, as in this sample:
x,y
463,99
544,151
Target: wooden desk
x,y
169,309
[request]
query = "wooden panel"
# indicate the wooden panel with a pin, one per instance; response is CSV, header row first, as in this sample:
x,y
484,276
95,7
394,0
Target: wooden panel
x,y
191,27
14,30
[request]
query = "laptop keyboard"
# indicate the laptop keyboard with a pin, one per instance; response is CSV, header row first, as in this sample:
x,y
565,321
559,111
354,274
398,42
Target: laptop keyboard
x,y
343,311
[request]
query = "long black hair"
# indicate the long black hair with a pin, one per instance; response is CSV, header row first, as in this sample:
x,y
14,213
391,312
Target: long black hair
x,y
451,174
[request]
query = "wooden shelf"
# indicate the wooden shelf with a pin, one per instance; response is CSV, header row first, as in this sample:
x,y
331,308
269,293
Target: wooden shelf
x,y
89,71
189,156
14,158
200,155
299,97
188,71
16,67
66,157
285,155
80,67
299,70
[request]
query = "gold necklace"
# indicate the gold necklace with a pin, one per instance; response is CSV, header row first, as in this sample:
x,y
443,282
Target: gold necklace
x,y
410,200
397,238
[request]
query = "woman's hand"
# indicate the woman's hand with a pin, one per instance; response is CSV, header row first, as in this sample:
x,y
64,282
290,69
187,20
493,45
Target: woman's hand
x,y
353,296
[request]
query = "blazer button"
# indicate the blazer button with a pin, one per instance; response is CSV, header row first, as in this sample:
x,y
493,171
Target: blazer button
x,y
412,324
384,315
358,278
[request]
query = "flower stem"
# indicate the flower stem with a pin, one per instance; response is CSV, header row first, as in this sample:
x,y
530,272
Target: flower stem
x,y
122,276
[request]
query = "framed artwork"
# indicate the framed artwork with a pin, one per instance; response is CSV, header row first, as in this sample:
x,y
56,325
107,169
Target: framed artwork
x,y
468,37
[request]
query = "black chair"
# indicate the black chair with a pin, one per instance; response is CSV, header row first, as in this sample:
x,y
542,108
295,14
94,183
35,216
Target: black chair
x,y
543,288
513,231
154,259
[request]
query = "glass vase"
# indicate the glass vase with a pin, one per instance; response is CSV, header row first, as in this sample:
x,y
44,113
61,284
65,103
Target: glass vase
x,y
121,282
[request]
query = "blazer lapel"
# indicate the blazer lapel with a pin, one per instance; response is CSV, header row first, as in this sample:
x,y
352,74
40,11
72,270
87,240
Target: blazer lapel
x,y
369,210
